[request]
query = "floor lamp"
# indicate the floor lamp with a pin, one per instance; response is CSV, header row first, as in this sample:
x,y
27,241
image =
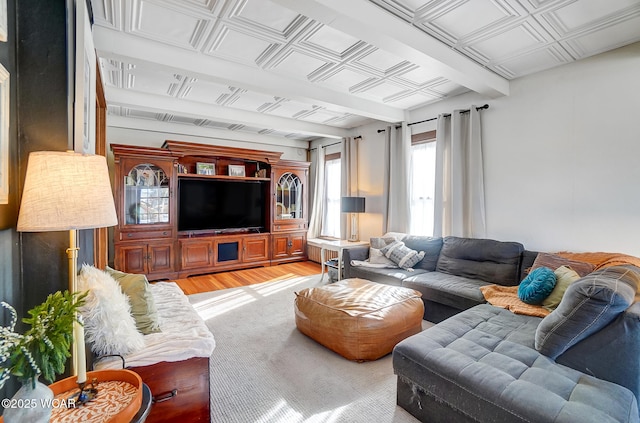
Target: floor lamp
x,y
353,205
67,191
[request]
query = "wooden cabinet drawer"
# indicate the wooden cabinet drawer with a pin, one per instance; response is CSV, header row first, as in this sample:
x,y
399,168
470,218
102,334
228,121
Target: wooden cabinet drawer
x,y
290,226
180,390
167,233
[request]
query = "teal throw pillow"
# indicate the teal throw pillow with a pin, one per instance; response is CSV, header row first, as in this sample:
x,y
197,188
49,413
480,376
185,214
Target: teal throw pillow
x,y
537,286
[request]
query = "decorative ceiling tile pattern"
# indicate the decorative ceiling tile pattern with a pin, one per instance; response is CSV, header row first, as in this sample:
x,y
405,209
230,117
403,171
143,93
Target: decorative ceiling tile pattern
x,y
511,38
518,37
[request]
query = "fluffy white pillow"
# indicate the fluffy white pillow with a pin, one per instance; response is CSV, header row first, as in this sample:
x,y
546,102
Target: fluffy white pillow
x,y
108,324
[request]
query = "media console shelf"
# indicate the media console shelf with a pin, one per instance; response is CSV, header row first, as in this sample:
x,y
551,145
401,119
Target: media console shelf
x,y
187,208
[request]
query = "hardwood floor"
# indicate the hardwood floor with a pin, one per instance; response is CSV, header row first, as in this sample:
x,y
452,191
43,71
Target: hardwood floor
x,y
223,280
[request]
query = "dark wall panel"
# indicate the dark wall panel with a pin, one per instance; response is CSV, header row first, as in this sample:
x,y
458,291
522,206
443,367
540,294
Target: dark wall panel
x,y
43,124
10,280
32,265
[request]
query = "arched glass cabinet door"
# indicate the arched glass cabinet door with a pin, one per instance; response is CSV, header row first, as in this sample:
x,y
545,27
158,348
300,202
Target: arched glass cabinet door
x,y
289,197
146,195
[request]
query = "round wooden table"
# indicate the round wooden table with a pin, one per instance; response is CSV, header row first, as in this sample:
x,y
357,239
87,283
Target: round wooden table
x,y
119,398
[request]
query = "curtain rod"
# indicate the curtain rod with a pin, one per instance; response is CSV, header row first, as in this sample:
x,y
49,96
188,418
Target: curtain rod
x,y
486,106
335,143
328,145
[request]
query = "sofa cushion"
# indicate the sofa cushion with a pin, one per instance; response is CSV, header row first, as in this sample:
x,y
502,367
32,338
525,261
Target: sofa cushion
x,y
430,246
389,276
485,259
612,353
451,290
588,305
537,286
402,255
482,363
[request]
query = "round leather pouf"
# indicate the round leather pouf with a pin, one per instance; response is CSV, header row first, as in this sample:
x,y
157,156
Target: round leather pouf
x,y
537,286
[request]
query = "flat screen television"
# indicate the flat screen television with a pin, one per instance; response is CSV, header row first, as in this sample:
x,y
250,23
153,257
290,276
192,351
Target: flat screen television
x,y
215,204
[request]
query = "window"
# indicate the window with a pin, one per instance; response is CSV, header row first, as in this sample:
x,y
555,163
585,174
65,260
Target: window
x,y
422,181
331,217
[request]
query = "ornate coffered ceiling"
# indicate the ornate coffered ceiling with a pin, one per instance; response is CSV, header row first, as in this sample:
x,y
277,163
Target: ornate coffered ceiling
x,y
302,69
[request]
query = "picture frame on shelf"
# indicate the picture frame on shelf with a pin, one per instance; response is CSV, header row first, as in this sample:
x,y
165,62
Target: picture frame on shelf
x,y
205,168
237,170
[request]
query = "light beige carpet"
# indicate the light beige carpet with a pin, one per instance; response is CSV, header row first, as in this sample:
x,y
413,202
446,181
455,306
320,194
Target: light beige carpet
x,y
264,370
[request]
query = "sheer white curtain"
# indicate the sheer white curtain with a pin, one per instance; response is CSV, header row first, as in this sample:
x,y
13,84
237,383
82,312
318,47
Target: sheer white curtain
x,y
459,196
348,179
331,213
317,207
422,187
396,192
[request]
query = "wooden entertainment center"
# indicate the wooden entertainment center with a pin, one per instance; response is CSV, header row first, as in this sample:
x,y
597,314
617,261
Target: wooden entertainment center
x,y
151,238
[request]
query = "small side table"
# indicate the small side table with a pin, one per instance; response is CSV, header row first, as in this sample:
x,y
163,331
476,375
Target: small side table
x,y
337,246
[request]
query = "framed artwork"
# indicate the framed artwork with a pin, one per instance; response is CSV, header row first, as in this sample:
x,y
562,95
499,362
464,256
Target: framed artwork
x,y
205,168
236,170
84,128
4,135
3,20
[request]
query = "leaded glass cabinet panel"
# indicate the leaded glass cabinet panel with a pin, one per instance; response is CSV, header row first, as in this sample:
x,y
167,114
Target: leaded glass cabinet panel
x,y
146,195
289,192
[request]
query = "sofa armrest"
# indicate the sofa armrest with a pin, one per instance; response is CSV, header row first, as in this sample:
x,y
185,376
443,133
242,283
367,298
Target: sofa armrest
x,y
348,254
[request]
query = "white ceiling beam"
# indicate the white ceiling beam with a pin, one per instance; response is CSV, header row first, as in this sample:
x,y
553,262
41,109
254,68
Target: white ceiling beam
x,y
132,49
165,104
365,21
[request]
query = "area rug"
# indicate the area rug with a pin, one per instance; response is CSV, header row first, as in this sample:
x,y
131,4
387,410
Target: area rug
x,y
264,370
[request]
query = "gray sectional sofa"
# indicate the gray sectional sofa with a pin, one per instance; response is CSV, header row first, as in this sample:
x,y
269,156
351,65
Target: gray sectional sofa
x,y
451,273
482,363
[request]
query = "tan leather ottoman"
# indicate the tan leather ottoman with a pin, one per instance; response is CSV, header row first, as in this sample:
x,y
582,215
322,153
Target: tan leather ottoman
x,y
358,319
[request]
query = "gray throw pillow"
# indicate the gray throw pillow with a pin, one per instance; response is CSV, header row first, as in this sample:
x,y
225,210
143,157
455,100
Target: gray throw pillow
x,y
402,255
588,305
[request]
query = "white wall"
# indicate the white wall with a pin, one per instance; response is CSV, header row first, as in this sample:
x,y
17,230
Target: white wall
x,y
561,157
370,178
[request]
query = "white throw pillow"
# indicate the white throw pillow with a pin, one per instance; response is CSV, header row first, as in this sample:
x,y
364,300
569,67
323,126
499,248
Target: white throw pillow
x,y
376,257
108,324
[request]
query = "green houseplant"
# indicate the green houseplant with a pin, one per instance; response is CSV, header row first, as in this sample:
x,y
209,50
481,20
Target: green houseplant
x,y
43,349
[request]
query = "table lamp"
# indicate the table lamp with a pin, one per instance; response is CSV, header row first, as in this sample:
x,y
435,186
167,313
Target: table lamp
x,y
353,205
67,191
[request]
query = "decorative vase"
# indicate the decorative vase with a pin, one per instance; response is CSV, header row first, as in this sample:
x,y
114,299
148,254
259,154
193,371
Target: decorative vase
x,y
30,404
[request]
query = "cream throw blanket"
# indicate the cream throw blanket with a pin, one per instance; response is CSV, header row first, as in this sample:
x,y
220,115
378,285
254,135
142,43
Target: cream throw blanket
x,y
183,333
